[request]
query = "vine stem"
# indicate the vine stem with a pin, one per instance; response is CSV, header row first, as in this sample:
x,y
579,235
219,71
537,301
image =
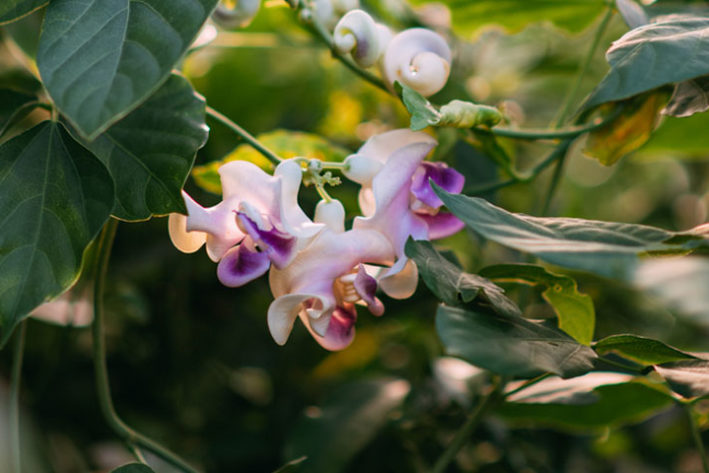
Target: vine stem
x,y
15,381
467,428
696,435
245,135
101,372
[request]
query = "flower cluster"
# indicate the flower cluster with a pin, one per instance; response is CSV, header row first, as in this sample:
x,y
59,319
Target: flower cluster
x,y
318,270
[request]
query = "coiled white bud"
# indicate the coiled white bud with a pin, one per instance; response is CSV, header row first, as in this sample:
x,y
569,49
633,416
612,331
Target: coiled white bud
x,y
418,58
361,169
238,16
358,34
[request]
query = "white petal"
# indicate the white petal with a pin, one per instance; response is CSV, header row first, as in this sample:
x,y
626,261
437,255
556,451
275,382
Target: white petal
x,y
282,314
400,281
186,242
289,173
381,146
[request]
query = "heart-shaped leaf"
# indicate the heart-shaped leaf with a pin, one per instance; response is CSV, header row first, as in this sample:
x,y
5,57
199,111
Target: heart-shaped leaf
x,y
511,345
606,248
150,152
55,197
574,310
674,49
99,59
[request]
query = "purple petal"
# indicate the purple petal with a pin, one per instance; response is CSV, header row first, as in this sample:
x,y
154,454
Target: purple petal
x,y
242,264
340,331
447,178
442,224
277,245
366,287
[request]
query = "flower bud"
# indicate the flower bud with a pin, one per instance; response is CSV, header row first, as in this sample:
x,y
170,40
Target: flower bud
x,y
361,169
331,214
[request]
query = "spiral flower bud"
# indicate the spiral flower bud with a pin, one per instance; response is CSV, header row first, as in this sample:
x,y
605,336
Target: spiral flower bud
x,y
237,17
418,58
358,34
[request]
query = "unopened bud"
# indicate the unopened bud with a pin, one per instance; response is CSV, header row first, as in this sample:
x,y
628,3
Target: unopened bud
x,y
461,114
361,169
331,214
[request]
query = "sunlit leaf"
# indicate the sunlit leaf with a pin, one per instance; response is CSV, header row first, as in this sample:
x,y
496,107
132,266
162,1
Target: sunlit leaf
x,y
99,59
150,152
453,286
286,144
689,97
133,468
11,10
688,378
555,390
641,349
55,198
628,132
510,345
606,248
674,49
572,15
330,435
422,112
574,310
617,404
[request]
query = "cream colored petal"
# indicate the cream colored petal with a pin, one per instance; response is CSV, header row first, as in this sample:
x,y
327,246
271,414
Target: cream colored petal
x,y
400,281
186,242
282,314
381,146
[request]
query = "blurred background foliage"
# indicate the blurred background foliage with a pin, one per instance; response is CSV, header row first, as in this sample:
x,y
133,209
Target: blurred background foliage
x,y
192,362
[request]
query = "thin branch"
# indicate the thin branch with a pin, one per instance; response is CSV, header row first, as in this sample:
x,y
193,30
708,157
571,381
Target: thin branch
x,y
245,135
14,410
101,372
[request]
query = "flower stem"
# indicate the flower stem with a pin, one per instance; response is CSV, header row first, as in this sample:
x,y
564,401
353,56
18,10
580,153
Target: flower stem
x,y
15,380
245,135
697,436
99,353
467,429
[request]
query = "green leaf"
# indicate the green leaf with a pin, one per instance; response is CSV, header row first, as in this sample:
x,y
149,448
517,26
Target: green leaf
x,y
629,131
514,15
606,248
151,151
574,310
11,10
292,465
99,59
133,468
555,390
422,112
689,97
685,137
617,404
11,103
349,419
674,49
641,350
55,198
286,144
511,345
689,378
679,284
453,286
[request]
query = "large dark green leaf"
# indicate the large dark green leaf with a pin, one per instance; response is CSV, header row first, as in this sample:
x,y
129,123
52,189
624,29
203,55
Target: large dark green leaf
x,y
11,105
55,198
617,404
689,378
641,349
150,152
133,468
453,286
574,310
11,10
511,345
674,49
573,15
332,434
99,59
606,248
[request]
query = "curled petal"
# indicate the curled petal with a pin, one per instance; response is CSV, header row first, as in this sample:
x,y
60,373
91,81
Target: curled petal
x,y
332,214
340,330
186,242
381,146
324,11
418,58
218,222
357,33
237,17
294,221
242,264
278,247
400,281
442,224
445,177
243,181
366,287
